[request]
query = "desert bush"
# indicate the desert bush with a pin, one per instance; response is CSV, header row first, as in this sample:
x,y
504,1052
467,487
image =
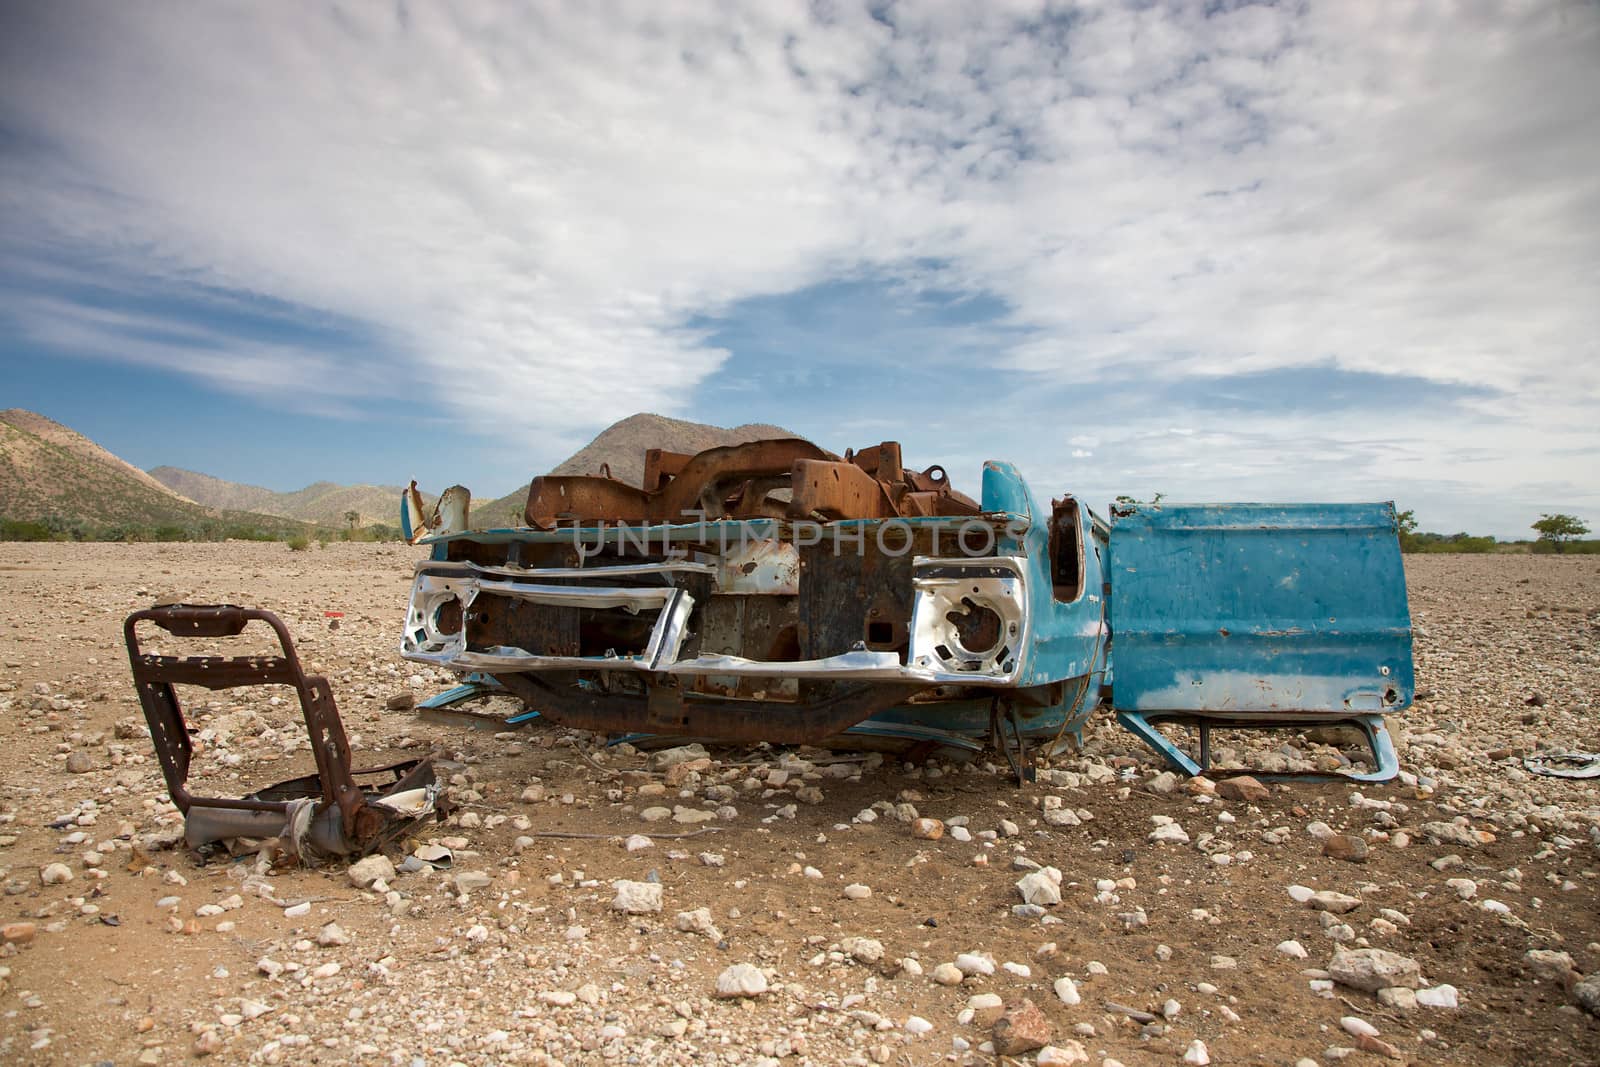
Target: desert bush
x,y
19,530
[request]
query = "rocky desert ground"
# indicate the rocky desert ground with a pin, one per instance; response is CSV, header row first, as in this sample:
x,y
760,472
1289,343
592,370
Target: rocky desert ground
x,y
782,906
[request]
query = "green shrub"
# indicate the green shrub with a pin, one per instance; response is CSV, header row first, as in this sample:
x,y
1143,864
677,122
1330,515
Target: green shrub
x,y
1570,548
19,530
1458,542
298,543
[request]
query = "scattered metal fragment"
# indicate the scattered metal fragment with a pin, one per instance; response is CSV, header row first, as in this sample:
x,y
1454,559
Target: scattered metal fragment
x,y
1564,764
318,816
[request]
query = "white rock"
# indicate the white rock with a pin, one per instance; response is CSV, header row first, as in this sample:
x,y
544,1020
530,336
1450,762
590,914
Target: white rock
x,y
741,980
1398,997
375,868
864,949
1065,1055
916,1024
1197,1054
970,963
55,873
1338,903
857,891
698,921
1372,969
947,974
636,898
1067,992
638,843
332,934
1293,949
296,911
1358,1027
1041,887
1170,833
559,998
1301,894
1439,996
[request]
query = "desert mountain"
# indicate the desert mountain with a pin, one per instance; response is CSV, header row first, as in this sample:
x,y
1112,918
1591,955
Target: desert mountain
x,y
322,502
72,441
54,475
621,446
49,473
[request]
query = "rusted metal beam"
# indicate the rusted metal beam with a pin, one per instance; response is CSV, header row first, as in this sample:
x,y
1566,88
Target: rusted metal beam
x,y
661,466
838,491
586,498
707,480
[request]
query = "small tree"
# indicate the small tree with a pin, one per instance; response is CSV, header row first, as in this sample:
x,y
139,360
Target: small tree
x,y
1559,529
352,517
1407,522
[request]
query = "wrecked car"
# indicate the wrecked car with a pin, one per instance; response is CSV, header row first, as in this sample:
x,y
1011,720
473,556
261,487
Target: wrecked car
x,y
773,591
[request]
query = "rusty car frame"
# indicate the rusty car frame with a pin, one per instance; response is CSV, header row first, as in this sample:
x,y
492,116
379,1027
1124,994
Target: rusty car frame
x,y
773,591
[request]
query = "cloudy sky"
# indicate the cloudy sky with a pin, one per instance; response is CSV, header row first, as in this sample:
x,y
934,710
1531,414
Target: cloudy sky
x,y
1223,251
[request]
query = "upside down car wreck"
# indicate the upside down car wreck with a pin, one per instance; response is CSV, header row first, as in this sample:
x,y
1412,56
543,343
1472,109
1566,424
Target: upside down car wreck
x,y
773,591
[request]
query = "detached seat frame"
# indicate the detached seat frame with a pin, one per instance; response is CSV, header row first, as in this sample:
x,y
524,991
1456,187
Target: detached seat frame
x,y
326,813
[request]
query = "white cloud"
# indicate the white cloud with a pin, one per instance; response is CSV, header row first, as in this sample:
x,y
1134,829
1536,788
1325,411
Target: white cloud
x,y
529,204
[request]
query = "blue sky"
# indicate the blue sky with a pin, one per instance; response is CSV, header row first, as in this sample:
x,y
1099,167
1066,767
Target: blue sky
x,y
1223,251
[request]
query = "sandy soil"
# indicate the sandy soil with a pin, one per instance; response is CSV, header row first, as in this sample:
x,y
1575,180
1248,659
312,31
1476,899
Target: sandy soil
x,y
530,963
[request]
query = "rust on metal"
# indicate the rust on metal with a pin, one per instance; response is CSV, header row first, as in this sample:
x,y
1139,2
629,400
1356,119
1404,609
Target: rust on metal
x,y
327,813
621,608
776,478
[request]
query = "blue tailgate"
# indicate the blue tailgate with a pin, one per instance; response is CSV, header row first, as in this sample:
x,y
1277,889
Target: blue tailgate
x,y
1251,608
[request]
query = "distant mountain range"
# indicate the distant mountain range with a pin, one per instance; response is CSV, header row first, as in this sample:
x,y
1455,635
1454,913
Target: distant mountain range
x,y
54,475
322,503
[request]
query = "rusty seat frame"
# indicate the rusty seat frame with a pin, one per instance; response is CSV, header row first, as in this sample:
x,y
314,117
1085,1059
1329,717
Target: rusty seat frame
x,y
344,818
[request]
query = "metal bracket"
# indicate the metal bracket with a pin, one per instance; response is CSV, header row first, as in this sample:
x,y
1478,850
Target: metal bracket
x,y
1142,724
1020,760
475,684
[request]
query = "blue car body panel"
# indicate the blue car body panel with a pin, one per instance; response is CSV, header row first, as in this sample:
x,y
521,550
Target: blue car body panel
x,y
1260,608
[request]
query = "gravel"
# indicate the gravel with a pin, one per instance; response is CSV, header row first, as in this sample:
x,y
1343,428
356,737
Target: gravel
x,y
816,917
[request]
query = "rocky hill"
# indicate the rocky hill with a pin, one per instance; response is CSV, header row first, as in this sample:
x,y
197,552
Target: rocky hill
x,y
73,442
621,446
324,503
54,475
